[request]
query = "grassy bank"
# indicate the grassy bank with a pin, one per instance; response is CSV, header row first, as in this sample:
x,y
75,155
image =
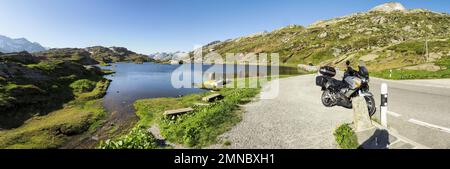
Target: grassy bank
x,y
399,74
413,53
412,74
197,129
84,114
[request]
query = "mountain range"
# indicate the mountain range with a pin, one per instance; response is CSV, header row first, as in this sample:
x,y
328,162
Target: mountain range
x,y
389,36
8,45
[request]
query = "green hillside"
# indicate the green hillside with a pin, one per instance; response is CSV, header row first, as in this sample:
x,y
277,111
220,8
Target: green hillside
x,y
384,40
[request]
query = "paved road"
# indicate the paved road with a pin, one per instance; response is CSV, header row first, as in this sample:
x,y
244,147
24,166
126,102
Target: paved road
x,y
297,119
421,110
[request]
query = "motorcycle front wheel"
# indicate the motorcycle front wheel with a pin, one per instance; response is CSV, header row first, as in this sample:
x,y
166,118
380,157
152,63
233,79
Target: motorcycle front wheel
x,y
327,99
370,105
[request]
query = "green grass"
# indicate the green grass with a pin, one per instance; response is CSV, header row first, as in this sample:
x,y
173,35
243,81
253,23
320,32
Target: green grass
x,y
105,64
83,86
412,74
202,127
137,138
199,128
417,47
12,87
107,71
98,92
150,111
54,129
412,53
399,74
346,137
45,65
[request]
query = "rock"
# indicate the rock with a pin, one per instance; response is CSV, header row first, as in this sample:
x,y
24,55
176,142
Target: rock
x,y
389,7
95,138
18,73
323,35
315,46
308,67
360,30
336,52
369,57
21,57
407,28
418,11
379,20
343,36
435,56
361,117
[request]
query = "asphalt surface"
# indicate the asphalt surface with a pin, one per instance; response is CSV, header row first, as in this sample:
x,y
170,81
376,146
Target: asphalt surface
x,y
419,111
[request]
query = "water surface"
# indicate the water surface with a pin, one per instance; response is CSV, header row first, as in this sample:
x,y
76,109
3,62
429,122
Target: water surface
x,y
132,82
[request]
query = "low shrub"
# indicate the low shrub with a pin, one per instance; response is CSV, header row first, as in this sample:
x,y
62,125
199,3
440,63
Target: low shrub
x,y
346,137
137,138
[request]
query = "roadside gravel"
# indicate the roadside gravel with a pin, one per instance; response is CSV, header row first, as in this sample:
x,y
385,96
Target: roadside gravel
x,y
294,119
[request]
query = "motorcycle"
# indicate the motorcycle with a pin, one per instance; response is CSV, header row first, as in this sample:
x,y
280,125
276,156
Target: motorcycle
x,y
340,93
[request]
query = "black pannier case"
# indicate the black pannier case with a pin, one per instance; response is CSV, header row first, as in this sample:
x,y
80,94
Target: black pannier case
x,y
327,71
320,81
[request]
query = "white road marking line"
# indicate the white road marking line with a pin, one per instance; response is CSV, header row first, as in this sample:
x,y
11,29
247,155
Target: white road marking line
x,y
437,86
413,83
394,114
429,125
390,144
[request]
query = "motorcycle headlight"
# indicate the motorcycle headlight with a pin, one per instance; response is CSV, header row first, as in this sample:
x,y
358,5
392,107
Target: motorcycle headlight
x,y
364,80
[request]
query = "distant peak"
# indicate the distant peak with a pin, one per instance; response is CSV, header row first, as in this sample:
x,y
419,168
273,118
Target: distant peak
x,y
389,7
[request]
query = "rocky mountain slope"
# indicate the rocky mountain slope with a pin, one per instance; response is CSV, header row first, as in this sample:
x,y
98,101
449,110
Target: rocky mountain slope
x,y
166,56
94,55
386,37
8,45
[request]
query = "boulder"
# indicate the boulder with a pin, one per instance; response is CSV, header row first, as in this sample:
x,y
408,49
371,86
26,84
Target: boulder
x,y
322,35
389,7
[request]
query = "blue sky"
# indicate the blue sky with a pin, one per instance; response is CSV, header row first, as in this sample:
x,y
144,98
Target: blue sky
x,y
149,26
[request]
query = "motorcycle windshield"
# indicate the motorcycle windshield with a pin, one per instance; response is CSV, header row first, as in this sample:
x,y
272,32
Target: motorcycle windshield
x,y
363,70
